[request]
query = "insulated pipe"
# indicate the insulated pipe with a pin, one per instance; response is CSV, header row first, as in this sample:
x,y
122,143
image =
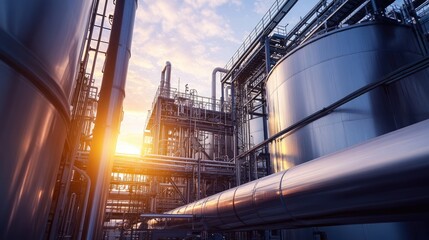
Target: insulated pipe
x,y
109,113
165,80
216,70
382,180
158,215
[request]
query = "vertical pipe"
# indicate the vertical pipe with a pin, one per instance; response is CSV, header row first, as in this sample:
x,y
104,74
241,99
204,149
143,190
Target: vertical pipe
x,y
265,127
167,78
157,134
222,96
264,104
161,85
70,213
267,55
246,132
85,201
199,176
109,114
234,135
374,7
216,70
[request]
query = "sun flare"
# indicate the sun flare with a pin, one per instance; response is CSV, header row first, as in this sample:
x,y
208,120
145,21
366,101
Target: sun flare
x,y
127,148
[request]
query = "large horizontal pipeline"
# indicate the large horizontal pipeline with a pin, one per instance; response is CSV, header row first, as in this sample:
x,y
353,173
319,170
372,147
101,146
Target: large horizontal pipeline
x,y
157,215
384,179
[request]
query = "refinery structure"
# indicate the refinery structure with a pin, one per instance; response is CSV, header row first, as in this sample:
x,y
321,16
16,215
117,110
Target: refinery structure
x,y
319,132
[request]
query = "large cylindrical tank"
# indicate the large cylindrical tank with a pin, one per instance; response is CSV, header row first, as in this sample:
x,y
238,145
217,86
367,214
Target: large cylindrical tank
x,y
40,48
328,68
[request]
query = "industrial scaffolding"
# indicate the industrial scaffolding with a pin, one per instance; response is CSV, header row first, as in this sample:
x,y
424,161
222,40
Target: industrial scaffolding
x,y
193,146
179,164
181,123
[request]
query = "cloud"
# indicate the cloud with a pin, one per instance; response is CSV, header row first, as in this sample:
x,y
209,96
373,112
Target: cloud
x,y
191,21
210,3
191,34
261,6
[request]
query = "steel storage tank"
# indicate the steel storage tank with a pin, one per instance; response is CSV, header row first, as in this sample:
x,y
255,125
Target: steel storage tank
x,y
328,68
325,70
39,56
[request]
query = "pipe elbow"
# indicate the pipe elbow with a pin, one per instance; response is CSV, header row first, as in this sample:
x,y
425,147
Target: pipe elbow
x,y
219,69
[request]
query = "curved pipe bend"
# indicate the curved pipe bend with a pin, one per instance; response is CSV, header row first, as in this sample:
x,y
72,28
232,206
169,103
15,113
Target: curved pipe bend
x,y
216,70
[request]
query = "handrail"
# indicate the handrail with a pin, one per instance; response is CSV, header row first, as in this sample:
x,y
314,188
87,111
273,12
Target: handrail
x,y
264,27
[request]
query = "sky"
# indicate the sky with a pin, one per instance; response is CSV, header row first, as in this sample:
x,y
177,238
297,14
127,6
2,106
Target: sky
x,y
196,36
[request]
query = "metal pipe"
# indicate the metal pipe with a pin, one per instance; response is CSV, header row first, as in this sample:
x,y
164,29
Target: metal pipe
x,y
70,213
109,114
157,135
267,55
264,104
375,7
165,80
154,156
382,180
216,70
161,85
265,129
204,163
162,215
235,135
85,201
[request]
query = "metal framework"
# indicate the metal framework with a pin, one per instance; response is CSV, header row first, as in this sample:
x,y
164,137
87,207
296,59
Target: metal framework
x,y
69,194
249,67
265,46
192,147
180,124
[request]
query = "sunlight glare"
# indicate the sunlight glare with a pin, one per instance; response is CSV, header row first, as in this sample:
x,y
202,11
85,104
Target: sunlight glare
x,y
127,148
